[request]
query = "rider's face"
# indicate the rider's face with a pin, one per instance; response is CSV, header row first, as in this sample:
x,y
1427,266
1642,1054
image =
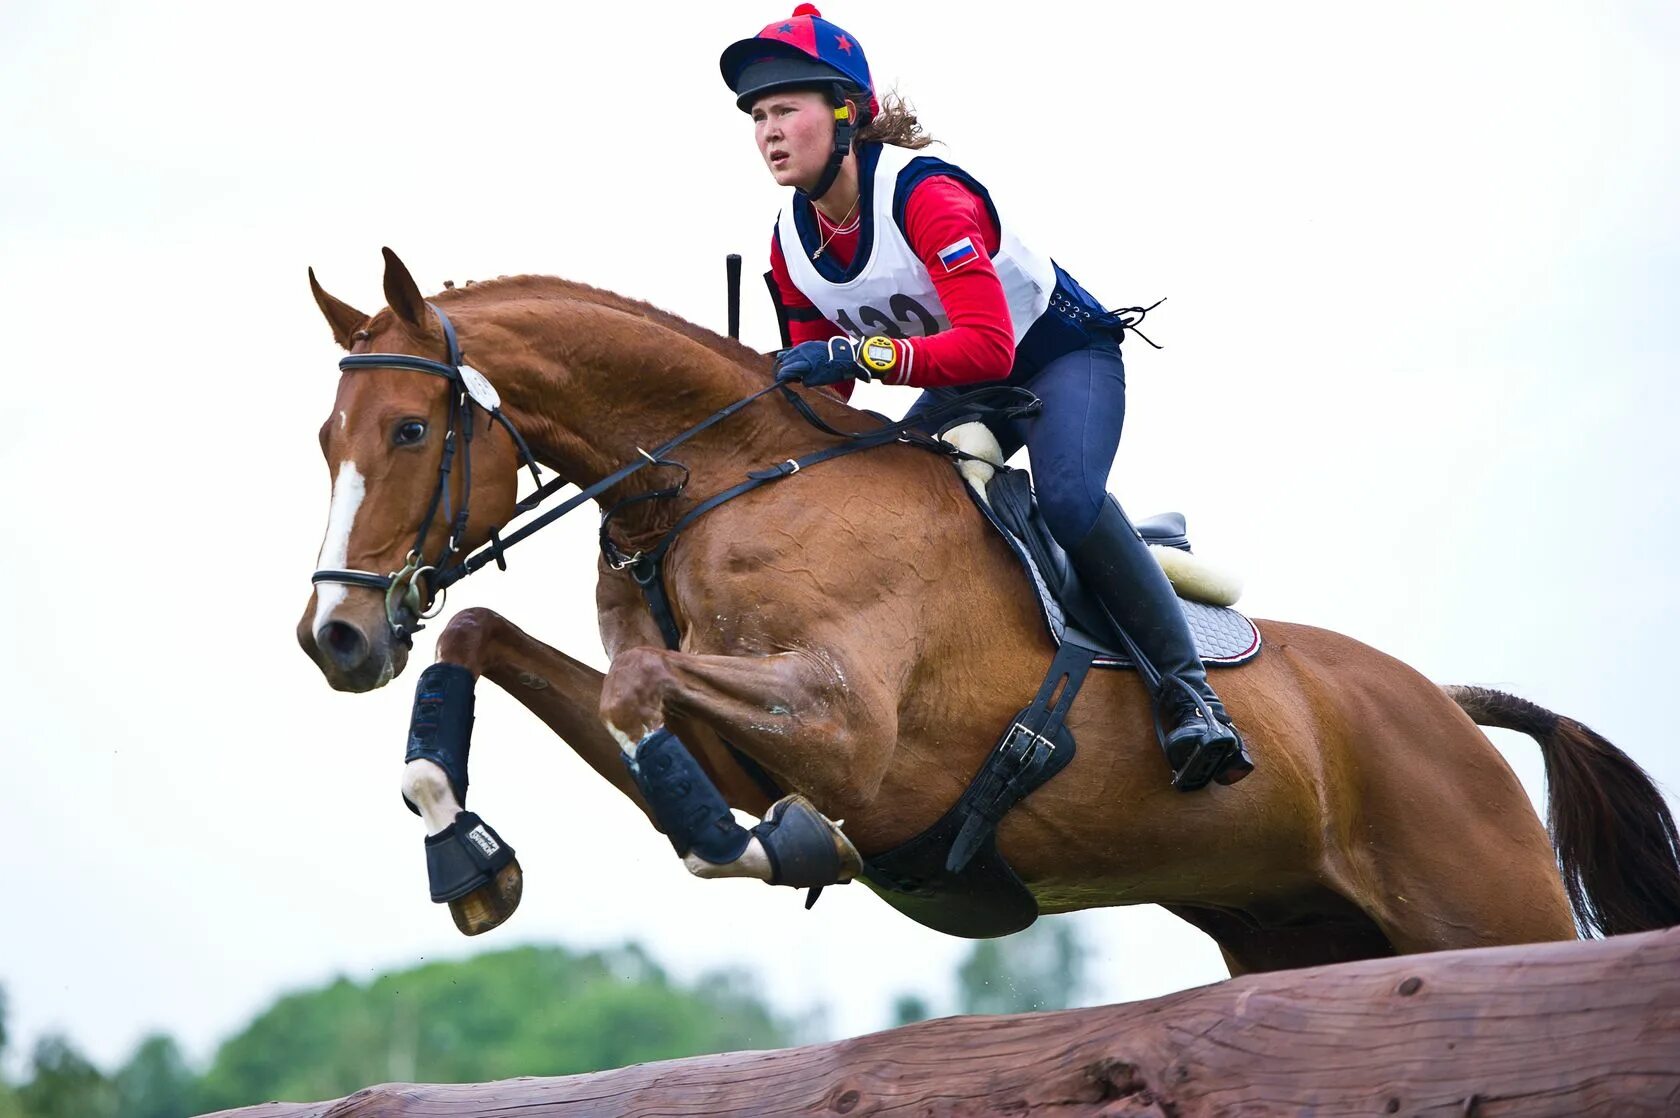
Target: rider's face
x,y
795,132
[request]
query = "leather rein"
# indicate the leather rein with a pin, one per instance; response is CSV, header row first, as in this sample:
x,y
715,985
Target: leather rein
x,y
417,592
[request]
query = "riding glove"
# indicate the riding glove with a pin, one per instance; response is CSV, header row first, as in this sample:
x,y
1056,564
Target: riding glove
x,y
819,363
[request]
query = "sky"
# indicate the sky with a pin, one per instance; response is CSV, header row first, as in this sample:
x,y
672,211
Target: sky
x,y
1421,265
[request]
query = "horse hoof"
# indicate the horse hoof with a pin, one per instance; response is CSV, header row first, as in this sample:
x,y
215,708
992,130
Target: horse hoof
x,y
491,904
806,849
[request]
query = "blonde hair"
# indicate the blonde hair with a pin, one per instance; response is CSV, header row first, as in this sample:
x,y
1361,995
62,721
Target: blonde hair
x,y
895,124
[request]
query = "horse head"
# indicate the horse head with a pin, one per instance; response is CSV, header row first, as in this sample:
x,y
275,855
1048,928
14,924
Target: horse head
x,y
421,474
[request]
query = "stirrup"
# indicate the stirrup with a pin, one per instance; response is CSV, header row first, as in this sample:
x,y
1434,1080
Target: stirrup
x,y
805,849
1213,759
1216,754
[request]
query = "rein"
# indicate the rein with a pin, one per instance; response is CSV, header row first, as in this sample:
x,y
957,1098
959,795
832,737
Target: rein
x,y
407,603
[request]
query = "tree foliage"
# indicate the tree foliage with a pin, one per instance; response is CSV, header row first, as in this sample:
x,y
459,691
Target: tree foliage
x,y
526,1011
1038,969
64,1084
156,1082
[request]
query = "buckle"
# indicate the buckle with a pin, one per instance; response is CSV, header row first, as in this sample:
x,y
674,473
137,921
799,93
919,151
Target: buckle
x,y
1018,730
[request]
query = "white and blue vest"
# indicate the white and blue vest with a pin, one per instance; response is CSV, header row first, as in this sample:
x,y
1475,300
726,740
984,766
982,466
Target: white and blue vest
x,y
887,289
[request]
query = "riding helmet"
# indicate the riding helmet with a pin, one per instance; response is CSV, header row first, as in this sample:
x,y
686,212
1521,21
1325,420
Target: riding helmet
x,y
804,51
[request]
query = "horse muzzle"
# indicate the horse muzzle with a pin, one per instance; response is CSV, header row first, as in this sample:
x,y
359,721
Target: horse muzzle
x,y
352,643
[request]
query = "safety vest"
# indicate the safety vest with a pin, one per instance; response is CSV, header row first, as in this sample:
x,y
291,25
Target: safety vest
x,y
887,289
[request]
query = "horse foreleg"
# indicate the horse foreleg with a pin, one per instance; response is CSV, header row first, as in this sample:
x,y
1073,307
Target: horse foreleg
x,y
794,712
562,692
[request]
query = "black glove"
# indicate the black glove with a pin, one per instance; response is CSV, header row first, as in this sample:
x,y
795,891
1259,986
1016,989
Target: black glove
x,y
819,363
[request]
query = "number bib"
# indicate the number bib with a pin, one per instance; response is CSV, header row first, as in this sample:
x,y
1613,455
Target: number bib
x,y
888,290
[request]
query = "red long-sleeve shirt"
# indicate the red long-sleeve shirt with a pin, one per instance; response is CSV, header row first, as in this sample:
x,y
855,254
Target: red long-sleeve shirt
x,y
980,345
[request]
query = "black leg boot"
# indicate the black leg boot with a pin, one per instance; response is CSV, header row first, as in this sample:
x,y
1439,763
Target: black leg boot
x,y
1196,733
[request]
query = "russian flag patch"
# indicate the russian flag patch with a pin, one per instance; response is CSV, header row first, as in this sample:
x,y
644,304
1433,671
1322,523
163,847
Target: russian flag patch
x,y
956,255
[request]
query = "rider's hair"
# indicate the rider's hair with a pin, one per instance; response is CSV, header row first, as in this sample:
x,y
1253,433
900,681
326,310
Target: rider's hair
x,y
895,124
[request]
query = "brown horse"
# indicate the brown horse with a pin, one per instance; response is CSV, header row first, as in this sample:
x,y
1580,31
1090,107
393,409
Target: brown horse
x,y
859,632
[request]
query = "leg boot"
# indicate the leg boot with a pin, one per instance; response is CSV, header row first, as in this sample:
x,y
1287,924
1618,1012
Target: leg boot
x,y
1196,732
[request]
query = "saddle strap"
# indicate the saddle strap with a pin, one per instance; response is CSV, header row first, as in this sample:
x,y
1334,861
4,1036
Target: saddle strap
x,y
1035,748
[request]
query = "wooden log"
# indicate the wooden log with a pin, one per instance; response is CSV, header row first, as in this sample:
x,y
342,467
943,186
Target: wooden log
x,y
1546,1029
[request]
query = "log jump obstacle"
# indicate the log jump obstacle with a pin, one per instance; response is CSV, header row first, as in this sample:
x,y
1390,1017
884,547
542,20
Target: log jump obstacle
x,y
1583,1028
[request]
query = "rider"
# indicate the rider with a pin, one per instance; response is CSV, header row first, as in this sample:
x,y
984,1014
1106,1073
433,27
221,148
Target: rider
x,y
896,266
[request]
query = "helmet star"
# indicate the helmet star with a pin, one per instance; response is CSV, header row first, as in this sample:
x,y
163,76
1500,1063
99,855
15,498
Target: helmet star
x,y
786,29
844,43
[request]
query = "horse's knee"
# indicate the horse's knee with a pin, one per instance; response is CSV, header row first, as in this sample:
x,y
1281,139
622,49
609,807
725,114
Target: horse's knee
x,y
468,637
632,694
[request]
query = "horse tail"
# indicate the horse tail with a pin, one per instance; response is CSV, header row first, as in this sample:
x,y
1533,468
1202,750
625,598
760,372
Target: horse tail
x,y
1615,837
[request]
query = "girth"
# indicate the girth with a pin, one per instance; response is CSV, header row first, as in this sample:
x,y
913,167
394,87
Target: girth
x,y
951,877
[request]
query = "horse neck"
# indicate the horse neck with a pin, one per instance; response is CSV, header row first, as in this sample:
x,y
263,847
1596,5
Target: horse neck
x,y
591,387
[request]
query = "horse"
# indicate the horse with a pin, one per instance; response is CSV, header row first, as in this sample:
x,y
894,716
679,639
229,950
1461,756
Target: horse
x,y
860,634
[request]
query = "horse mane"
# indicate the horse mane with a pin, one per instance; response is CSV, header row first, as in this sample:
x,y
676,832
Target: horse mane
x,y
553,287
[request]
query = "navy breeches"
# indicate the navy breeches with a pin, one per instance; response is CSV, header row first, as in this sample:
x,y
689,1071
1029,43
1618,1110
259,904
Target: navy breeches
x,y
1071,443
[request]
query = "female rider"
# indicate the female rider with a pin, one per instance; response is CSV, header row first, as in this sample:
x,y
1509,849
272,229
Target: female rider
x,y
896,266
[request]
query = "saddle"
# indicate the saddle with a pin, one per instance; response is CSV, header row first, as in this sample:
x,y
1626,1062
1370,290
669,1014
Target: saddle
x,y
951,877
1224,637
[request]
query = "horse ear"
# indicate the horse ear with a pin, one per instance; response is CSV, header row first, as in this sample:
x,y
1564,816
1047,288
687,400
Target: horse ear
x,y
402,293
342,317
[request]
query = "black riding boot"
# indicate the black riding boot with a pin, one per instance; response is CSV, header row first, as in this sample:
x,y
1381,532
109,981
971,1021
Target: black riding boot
x,y
1197,735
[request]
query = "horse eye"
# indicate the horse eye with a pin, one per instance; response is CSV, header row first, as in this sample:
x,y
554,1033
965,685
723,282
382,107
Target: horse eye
x,y
409,433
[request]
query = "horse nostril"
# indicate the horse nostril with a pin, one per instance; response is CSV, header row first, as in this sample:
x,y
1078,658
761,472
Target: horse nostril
x,y
344,643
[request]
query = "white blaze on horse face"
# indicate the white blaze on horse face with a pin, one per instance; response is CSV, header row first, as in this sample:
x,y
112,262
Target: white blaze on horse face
x,y
347,493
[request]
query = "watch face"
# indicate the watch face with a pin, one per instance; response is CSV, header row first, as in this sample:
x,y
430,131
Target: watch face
x,y
879,354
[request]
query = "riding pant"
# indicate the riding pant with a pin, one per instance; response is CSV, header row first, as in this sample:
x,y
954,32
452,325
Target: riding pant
x,y
1071,443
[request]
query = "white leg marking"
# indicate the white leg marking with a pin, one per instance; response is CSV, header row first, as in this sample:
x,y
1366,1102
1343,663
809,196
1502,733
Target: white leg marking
x,y
347,493
753,862
427,786
343,421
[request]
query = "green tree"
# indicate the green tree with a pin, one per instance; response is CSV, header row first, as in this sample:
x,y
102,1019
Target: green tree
x,y
156,1082
525,1011
1040,968
909,1008
63,1084
9,1105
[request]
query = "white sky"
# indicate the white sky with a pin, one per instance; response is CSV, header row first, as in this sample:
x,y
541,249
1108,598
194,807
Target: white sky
x,y
1422,263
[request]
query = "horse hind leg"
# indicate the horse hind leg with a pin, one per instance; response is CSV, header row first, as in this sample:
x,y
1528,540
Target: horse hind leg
x,y
1328,930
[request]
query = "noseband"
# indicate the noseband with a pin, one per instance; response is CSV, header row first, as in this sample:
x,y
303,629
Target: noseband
x,y
407,601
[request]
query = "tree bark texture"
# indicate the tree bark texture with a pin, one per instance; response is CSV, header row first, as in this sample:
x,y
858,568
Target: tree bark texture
x,y
1547,1029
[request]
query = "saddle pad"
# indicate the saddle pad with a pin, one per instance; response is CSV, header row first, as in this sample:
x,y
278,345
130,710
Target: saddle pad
x,y
1223,636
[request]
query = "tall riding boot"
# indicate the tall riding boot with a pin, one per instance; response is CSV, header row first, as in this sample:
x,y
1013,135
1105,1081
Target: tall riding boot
x,y
1196,733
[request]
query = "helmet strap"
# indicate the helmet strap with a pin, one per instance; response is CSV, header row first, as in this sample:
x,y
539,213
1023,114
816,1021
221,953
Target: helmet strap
x,y
845,127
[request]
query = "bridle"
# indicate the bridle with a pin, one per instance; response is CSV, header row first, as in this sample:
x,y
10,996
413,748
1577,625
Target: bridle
x,y
408,600
417,592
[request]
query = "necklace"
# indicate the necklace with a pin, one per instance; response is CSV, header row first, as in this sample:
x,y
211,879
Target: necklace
x,y
821,220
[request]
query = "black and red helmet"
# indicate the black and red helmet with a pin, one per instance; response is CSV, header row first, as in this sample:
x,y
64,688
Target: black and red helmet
x,y
804,51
